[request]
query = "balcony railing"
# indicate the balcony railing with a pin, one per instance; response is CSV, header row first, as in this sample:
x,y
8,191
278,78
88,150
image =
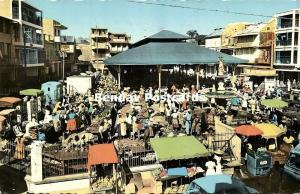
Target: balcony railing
x,y
97,35
100,46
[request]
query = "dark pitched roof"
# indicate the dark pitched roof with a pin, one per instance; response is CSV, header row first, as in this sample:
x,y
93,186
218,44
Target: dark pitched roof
x,y
163,53
166,34
162,36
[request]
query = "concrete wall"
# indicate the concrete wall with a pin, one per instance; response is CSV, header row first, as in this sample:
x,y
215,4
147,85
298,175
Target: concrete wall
x,y
229,31
213,43
57,187
6,8
48,29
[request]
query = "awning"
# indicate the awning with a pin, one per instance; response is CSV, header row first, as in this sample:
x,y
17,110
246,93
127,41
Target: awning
x,y
270,130
9,101
248,130
6,111
181,171
31,92
102,154
260,72
177,148
274,103
2,118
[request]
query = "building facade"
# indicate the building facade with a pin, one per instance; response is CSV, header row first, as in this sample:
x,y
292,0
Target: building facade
x,y
52,42
28,37
213,41
286,60
105,44
10,66
255,44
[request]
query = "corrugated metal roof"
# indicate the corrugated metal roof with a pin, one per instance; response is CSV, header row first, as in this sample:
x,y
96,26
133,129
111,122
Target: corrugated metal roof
x,y
164,53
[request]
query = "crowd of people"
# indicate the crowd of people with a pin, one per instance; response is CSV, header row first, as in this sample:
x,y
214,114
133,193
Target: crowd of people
x,y
77,120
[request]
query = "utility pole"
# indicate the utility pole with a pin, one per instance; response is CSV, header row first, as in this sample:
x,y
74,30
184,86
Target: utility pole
x,y
63,55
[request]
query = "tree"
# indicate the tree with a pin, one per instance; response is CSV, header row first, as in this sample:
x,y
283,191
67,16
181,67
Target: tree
x,y
199,39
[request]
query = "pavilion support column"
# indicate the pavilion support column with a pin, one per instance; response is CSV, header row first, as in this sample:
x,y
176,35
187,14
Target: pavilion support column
x,y
197,75
159,77
119,77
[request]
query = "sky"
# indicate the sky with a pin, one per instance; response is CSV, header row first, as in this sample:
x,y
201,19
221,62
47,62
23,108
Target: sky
x,y
141,20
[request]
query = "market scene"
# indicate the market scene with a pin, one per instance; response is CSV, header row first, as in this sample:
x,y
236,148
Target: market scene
x,y
163,114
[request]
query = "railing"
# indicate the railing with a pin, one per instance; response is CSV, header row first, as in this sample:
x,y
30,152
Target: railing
x,y
137,158
57,162
18,160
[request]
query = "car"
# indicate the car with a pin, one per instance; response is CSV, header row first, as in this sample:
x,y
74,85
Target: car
x,y
219,184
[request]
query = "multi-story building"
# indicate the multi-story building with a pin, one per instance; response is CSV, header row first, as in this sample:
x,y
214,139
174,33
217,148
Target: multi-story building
x,y
10,67
83,55
29,45
227,36
105,44
119,42
52,41
255,44
287,57
99,41
213,40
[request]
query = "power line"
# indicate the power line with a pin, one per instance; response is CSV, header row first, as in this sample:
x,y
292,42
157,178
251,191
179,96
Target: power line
x,y
205,9
200,9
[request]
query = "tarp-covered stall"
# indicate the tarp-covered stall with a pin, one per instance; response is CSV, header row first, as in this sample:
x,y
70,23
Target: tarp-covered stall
x,y
177,148
31,92
101,162
9,102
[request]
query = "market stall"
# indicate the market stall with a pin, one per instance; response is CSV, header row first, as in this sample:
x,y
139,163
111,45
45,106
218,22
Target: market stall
x,y
271,131
169,152
9,102
31,92
102,160
274,103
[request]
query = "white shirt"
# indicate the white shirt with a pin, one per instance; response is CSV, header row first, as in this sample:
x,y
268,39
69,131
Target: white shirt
x,y
129,119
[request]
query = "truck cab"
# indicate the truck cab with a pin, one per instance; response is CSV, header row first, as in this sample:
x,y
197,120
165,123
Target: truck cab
x,y
292,165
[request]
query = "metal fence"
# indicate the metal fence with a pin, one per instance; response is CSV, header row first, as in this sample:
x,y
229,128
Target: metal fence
x,y
222,141
57,162
18,160
139,157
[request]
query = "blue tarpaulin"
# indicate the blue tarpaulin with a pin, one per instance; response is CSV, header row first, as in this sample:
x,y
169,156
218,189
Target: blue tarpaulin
x,y
182,171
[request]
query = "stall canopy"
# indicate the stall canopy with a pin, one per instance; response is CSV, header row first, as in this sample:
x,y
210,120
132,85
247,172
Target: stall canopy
x,y
7,111
102,154
31,92
2,118
274,103
270,130
248,130
170,53
177,148
181,171
9,101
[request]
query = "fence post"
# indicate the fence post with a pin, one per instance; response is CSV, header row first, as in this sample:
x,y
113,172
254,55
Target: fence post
x,y
36,161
